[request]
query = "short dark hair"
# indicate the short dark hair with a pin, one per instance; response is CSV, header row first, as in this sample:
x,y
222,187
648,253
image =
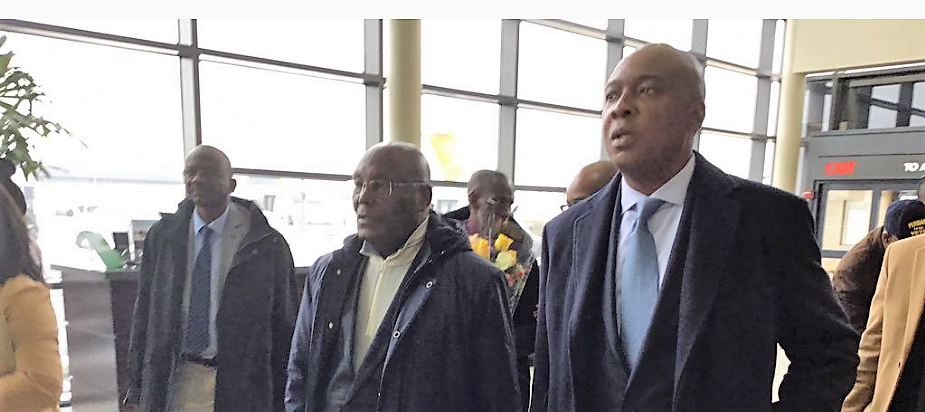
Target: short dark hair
x,y
16,256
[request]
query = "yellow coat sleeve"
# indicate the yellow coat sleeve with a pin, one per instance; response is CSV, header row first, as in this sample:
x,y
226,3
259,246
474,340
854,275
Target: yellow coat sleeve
x,y
36,383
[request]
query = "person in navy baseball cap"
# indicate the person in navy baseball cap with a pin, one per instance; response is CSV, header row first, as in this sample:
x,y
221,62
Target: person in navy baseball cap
x,y
904,218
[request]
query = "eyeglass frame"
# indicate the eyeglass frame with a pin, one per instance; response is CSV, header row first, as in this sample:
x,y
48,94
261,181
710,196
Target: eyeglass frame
x,y
359,190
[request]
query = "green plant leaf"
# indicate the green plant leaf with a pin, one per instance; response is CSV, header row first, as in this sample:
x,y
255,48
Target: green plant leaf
x,y
18,123
5,61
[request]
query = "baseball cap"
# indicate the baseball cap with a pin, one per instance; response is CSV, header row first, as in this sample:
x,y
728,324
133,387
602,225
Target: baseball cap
x,y
905,218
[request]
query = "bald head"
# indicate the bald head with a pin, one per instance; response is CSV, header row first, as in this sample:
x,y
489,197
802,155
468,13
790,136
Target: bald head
x,y
491,198
682,66
208,178
589,181
653,108
398,162
391,195
212,155
487,179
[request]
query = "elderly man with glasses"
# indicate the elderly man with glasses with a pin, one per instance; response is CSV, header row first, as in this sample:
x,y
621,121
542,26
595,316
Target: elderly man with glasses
x,y
405,317
490,214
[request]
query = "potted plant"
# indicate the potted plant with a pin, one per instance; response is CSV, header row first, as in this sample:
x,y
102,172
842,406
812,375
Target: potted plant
x,y
19,124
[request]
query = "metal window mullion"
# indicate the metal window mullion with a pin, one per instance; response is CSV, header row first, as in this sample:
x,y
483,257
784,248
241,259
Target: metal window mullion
x,y
507,116
372,65
762,100
86,36
615,44
905,110
699,29
190,95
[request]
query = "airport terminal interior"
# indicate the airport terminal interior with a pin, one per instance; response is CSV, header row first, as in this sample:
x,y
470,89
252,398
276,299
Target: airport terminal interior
x,y
832,111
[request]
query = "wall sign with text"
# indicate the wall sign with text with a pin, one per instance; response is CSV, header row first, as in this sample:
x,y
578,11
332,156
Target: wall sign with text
x,y
869,167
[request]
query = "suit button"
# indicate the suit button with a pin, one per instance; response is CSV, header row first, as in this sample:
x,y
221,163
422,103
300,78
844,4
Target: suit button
x,y
429,284
331,325
338,271
396,335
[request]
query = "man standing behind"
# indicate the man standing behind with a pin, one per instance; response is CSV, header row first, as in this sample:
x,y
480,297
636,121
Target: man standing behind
x,y
591,179
891,376
670,289
216,302
489,213
403,318
856,276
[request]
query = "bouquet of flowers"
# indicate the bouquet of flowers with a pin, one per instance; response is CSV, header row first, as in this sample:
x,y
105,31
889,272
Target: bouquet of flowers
x,y
505,259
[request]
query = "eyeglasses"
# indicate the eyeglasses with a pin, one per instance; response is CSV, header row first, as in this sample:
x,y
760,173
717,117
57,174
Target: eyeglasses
x,y
566,206
379,189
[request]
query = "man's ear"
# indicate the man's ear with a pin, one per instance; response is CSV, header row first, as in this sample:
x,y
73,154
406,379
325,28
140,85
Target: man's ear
x,y
427,194
234,185
698,113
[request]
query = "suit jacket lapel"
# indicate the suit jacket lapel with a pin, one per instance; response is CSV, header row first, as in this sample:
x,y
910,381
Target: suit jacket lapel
x,y
713,219
590,264
236,230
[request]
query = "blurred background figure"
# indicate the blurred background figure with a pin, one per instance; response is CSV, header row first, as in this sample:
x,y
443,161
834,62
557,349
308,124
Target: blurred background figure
x,y
489,214
30,366
856,276
590,180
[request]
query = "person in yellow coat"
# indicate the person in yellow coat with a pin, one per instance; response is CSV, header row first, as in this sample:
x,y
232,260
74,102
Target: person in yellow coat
x,y
30,366
892,350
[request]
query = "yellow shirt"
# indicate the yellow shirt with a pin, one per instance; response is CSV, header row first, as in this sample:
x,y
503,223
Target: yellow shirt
x,y
380,283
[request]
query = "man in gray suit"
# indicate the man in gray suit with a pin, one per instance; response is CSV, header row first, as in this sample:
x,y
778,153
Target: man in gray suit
x,y
216,302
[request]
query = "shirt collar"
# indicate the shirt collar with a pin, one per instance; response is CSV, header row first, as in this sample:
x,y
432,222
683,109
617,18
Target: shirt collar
x,y
674,191
217,225
408,251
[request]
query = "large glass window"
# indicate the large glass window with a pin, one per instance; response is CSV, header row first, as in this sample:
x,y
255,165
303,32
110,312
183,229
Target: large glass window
x,y
285,121
162,30
675,32
870,104
561,67
314,216
534,209
736,41
768,171
461,54
779,31
447,199
731,154
552,147
121,106
773,105
730,100
918,105
458,137
328,43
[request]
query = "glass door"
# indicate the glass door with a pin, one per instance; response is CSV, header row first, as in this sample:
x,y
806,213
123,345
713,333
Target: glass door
x,y
848,211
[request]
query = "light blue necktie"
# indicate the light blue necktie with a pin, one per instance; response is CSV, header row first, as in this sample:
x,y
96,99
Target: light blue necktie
x,y
639,284
200,299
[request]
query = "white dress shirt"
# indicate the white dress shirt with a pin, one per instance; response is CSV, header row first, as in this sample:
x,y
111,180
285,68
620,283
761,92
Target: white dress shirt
x,y
663,224
380,283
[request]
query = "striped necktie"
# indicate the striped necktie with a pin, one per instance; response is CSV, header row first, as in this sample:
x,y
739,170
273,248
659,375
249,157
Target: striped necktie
x,y
200,302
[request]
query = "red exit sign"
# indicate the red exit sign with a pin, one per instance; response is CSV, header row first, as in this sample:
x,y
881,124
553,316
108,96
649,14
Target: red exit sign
x,y
840,168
